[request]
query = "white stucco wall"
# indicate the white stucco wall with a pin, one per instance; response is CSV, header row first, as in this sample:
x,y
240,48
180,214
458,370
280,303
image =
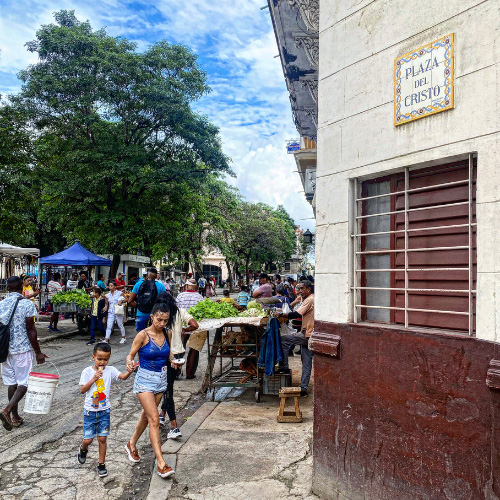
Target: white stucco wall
x,y
359,40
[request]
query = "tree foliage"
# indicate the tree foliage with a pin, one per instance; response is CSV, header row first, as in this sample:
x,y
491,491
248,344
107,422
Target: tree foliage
x,y
256,234
117,144
17,183
102,145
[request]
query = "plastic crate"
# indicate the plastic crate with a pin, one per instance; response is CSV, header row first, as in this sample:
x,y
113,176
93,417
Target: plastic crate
x,y
65,308
274,383
84,310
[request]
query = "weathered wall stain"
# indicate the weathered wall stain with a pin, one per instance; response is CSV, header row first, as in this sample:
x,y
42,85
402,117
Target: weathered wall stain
x,y
404,416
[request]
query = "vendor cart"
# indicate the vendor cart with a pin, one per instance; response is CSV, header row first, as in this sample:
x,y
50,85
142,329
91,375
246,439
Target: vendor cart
x,y
242,349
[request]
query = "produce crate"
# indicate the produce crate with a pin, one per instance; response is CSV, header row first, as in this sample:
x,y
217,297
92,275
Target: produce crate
x,y
274,383
84,310
65,308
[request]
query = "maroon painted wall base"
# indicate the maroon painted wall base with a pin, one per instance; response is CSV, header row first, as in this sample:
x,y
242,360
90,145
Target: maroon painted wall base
x,y
401,415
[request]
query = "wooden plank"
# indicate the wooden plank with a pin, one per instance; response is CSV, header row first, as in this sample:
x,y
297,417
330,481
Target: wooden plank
x,y
289,391
297,409
213,352
289,419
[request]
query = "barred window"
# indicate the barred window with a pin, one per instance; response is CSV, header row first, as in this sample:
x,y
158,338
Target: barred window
x,y
415,248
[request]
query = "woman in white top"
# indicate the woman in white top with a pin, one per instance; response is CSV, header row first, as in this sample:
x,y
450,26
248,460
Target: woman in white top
x,y
115,298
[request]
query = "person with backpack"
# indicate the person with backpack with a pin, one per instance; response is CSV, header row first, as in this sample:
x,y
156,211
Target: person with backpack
x,y
144,295
202,283
18,341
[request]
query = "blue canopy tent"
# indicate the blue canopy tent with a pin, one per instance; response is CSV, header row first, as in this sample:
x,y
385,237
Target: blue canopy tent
x,y
75,255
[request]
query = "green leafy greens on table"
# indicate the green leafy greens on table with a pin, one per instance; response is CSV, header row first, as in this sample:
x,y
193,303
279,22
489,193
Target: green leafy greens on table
x,y
79,297
209,309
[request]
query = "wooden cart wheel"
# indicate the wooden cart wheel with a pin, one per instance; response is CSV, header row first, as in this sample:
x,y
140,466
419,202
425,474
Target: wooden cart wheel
x,y
257,396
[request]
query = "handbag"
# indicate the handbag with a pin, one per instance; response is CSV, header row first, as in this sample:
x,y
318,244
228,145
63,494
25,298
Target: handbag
x,y
286,308
119,310
5,335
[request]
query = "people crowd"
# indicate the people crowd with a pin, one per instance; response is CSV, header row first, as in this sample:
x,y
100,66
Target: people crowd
x,y
163,325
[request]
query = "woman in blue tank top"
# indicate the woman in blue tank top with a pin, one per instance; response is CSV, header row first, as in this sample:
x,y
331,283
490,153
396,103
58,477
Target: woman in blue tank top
x,y
150,382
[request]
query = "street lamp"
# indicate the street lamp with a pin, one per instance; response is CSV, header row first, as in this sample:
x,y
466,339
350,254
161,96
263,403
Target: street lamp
x,y
308,237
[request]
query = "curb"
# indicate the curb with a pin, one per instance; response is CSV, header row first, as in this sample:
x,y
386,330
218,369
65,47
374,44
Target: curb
x,y
160,488
56,336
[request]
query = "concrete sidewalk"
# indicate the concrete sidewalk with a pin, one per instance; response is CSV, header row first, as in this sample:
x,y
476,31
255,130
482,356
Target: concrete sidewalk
x,y
237,450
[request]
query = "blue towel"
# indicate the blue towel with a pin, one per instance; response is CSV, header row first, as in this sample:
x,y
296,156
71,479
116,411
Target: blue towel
x,y
271,350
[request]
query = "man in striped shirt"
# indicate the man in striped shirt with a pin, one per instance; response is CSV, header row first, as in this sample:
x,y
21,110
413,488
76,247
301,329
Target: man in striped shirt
x,y
190,297
186,300
53,287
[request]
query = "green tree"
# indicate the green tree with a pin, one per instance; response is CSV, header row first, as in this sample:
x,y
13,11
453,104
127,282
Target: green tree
x,y
118,147
205,206
256,234
17,183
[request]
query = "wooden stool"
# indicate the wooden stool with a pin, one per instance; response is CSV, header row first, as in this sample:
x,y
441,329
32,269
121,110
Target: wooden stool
x,y
289,416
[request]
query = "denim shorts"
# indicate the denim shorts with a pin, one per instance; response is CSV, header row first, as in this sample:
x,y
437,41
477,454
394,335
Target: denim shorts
x,y
148,381
96,423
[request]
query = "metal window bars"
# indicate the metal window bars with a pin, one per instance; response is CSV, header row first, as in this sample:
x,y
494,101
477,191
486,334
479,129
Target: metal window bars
x,y
358,253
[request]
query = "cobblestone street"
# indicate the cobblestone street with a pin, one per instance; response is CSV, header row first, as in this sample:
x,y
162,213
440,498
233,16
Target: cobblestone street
x,y
38,460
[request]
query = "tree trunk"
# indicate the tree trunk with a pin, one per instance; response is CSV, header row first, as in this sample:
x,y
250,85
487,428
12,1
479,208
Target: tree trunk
x,y
229,276
198,268
114,266
247,264
186,262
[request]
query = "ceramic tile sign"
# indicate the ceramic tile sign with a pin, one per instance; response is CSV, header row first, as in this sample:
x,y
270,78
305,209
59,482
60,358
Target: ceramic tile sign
x,y
423,81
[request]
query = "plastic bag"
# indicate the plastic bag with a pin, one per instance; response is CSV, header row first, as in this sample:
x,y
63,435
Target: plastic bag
x,y
286,330
286,308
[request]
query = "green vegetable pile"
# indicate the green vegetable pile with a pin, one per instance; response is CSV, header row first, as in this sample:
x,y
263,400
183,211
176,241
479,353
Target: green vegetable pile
x,y
252,313
210,309
79,297
254,305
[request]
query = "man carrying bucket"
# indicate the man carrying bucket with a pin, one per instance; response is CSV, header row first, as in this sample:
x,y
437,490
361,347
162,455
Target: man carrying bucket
x,y
23,339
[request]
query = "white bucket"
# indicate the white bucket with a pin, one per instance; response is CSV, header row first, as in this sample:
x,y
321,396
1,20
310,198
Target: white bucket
x,y
41,389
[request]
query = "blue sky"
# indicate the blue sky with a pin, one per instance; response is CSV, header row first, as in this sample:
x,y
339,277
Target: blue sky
x,y
235,44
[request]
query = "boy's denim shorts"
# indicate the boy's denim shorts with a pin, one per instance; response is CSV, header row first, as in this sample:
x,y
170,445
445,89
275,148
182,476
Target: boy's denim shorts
x,y
148,381
96,423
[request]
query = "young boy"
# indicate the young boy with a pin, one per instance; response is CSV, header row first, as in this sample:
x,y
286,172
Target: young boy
x,y
98,317
243,297
95,383
226,297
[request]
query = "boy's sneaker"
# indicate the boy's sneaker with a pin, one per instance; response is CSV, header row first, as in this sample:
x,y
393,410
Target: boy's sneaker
x,y
162,419
82,455
123,340
49,328
174,433
56,330
91,342
101,470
